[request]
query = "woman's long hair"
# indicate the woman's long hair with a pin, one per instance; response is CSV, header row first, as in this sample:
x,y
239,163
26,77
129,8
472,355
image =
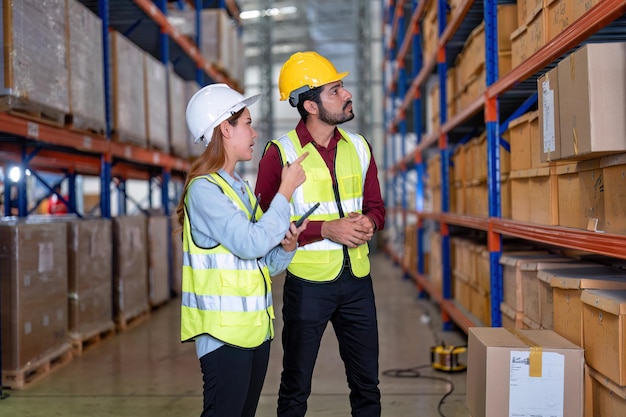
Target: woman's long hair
x,y
212,159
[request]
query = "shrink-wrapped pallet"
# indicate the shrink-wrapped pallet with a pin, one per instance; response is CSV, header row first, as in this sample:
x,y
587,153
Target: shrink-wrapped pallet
x,y
33,261
155,88
127,87
86,71
195,149
130,269
179,135
89,277
158,260
33,62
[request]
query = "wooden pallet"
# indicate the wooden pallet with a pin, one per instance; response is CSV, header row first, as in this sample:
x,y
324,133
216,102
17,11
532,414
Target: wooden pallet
x,y
38,369
86,125
32,111
124,323
81,342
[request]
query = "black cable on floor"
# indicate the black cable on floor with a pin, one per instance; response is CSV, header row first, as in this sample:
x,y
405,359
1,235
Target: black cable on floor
x,y
414,373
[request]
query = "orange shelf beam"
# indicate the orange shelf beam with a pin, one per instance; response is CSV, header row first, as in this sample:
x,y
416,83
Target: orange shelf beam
x,y
474,222
602,243
53,135
190,49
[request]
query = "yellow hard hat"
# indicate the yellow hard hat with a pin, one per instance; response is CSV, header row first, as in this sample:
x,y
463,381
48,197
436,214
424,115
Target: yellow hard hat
x,y
304,71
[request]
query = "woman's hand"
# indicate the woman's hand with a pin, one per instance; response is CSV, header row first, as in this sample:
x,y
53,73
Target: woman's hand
x,y
292,176
290,241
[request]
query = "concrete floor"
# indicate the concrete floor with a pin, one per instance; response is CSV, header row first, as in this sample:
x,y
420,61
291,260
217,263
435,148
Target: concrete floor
x,y
145,371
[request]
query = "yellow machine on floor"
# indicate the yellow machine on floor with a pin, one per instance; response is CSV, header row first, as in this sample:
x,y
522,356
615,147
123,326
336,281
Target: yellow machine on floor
x,y
446,358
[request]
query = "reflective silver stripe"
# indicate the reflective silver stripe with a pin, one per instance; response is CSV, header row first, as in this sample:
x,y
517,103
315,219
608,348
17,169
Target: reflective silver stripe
x,y
227,303
362,151
219,261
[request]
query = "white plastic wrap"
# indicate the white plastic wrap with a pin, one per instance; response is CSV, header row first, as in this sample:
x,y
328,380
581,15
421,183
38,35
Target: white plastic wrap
x,y
86,78
34,69
129,111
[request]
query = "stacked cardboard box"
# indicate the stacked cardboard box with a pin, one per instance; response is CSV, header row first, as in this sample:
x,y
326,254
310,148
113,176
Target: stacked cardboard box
x,y
130,270
127,90
90,253
158,259
155,97
34,73
86,68
33,258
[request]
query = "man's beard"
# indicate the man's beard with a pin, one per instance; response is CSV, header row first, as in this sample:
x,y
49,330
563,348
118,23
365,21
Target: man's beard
x,y
335,118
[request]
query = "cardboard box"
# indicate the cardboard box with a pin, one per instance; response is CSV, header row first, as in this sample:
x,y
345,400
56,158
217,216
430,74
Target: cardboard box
x,y
614,187
130,267
559,15
603,397
549,116
592,102
90,273
567,287
33,289
86,69
523,372
581,194
537,293
127,91
158,260
34,32
519,129
604,332
512,275
155,103
544,205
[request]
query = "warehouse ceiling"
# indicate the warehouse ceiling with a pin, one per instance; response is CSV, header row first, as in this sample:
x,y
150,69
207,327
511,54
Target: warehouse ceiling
x,y
327,26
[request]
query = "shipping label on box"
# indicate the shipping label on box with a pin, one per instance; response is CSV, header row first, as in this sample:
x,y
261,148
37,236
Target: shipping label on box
x,y
536,383
549,128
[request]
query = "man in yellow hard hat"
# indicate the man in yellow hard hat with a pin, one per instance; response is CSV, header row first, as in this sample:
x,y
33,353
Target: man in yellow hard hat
x,y
328,279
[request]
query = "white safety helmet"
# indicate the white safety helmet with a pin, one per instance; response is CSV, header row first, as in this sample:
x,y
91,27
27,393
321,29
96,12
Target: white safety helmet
x,y
210,106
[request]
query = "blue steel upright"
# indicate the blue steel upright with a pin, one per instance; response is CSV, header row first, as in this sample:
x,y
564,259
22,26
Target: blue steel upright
x,y
442,70
494,240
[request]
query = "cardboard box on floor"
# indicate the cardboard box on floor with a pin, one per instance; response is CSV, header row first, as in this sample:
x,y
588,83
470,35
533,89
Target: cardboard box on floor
x,y
524,372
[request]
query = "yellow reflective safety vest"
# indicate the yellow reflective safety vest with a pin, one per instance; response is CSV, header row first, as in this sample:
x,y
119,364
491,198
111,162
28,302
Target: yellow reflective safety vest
x,y
223,295
323,260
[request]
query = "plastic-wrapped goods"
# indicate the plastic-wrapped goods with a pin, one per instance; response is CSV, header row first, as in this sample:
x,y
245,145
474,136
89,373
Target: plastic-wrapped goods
x,y
179,134
195,149
158,260
33,261
33,62
86,77
89,277
129,109
155,88
130,269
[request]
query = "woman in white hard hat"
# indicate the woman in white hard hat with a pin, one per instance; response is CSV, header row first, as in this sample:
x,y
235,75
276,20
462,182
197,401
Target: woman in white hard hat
x,y
231,248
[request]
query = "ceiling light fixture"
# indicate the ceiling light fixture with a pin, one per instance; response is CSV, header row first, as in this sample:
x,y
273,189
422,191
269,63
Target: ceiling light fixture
x,y
275,11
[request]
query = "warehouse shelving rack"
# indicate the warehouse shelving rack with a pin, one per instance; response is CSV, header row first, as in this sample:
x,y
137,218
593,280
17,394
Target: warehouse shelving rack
x,y
35,145
403,93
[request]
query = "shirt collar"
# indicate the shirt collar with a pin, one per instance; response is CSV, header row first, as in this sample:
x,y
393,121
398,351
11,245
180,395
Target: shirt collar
x,y
305,137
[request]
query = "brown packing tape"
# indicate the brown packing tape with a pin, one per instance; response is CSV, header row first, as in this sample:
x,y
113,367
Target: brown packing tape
x,y
536,354
575,141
